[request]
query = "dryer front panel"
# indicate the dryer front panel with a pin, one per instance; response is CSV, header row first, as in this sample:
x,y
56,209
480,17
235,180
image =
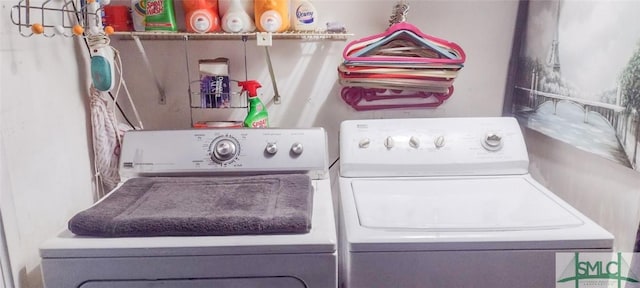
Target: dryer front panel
x,y
260,282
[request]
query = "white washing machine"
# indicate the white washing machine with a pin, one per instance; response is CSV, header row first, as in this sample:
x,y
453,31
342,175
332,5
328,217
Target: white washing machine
x,y
449,202
271,260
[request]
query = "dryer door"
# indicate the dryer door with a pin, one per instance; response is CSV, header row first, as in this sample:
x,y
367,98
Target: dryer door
x,y
260,282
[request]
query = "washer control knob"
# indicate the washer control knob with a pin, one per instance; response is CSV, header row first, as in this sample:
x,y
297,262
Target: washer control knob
x,y
297,148
414,142
271,148
389,142
492,141
364,143
224,150
439,142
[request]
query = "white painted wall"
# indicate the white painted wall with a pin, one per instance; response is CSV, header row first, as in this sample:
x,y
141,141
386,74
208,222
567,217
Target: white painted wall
x,y
45,174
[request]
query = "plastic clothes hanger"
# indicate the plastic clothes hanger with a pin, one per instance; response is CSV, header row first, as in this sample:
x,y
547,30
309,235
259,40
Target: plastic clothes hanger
x,y
365,99
443,47
352,71
408,37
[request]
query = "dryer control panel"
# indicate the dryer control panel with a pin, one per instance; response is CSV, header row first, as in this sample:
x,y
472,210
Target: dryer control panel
x,y
224,151
432,147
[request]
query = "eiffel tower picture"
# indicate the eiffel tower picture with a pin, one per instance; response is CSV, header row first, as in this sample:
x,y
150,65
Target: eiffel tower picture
x,y
553,60
582,101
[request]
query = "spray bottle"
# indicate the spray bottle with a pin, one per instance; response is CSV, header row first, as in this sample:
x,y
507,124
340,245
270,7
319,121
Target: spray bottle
x,y
257,117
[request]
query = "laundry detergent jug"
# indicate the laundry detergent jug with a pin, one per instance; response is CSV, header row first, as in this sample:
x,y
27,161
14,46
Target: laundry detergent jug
x,y
201,16
236,15
272,15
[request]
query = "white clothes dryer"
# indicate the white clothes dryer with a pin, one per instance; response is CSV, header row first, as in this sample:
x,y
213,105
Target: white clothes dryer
x,y
449,202
306,259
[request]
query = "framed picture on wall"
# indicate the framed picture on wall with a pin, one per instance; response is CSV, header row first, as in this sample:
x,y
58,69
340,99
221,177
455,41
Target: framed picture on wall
x,y
575,75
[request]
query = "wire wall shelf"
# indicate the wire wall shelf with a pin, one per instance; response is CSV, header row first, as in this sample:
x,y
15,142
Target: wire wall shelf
x,y
309,36
65,18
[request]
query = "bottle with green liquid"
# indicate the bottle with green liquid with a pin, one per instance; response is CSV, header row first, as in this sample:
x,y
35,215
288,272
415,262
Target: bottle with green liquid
x,y
160,16
257,117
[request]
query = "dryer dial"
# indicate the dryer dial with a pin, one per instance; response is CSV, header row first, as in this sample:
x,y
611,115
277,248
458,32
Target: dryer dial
x,y
224,149
297,148
271,148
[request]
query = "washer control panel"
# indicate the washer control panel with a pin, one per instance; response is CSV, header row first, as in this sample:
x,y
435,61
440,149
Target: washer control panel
x,y
182,152
432,147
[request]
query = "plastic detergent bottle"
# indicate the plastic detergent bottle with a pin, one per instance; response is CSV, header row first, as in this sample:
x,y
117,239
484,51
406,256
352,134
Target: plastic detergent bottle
x,y
201,16
160,16
305,16
257,117
272,15
138,14
235,16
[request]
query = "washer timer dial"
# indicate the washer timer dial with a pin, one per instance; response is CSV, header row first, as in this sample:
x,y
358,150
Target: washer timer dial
x,y
224,149
492,141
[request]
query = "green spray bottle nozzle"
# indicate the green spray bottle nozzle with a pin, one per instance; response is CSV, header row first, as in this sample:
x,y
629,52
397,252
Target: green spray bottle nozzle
x,y
251,86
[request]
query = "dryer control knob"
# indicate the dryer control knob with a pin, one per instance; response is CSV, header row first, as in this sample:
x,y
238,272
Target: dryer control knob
x,y
271,148
297,148
439,142
492,141
364,143
414,142
389,142
224,150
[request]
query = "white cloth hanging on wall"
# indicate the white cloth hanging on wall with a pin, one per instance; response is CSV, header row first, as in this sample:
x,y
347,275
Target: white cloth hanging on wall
x,y
106,144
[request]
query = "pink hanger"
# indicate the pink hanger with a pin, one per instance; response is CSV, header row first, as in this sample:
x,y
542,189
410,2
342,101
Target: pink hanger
x,y
359,44
361,99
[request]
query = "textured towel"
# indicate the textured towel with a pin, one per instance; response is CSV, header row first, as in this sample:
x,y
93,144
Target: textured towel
x,y
199,206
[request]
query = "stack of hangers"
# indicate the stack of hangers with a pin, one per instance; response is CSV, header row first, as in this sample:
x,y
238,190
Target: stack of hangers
x,y
401,67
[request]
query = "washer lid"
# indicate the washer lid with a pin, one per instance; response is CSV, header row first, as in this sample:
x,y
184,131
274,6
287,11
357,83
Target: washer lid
x,y
491,204
462,213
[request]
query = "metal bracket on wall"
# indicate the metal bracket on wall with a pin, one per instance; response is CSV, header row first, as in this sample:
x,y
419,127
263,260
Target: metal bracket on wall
x,y
163,98
265,39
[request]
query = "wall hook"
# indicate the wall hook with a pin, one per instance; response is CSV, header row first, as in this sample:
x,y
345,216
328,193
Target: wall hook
x,y
399,13
27,17
44,31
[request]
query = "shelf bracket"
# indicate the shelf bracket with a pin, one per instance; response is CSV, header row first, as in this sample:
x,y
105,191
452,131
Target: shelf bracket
x,y
163,98
264,39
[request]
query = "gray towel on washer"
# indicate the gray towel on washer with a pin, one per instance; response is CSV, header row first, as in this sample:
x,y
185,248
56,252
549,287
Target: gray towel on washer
x,y
200,206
